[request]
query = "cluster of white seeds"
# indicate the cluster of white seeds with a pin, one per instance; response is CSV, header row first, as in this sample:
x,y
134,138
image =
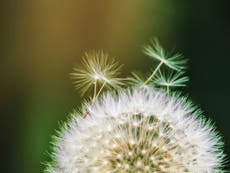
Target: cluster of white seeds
x,y
138,131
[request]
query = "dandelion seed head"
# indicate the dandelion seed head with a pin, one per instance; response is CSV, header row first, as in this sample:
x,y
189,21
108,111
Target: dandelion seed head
x,y
139,131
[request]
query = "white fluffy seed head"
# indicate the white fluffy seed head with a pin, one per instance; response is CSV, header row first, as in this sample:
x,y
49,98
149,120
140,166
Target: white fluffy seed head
x,y
138,131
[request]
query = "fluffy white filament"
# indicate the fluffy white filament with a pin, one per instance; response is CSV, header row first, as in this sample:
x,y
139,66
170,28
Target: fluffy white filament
x,y
138,131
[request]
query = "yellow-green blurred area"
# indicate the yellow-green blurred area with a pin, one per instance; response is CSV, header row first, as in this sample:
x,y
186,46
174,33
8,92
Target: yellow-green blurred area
x,y
41,41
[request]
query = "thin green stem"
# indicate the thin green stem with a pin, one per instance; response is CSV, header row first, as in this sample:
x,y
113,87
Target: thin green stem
x,y
167,89
95,89
94,97
153,74
103,85
100,90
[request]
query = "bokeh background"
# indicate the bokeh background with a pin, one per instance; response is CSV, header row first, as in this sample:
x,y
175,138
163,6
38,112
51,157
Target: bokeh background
x,y
41,40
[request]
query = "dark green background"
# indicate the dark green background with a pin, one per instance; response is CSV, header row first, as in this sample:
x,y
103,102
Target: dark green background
x,y
41,40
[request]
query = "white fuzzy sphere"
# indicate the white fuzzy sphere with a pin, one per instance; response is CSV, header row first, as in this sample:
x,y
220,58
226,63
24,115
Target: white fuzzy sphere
x,y
138,131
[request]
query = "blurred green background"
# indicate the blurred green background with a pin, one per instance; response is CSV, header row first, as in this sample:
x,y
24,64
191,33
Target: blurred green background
x,y
41,40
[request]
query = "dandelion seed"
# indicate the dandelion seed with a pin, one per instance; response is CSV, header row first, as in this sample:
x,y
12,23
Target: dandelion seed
x,y
136,79
170,80
155,51
97,70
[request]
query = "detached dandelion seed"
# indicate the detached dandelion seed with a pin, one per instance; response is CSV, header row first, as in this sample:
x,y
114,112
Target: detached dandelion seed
x,y
97,70
136,79
171,80
155,51
133,129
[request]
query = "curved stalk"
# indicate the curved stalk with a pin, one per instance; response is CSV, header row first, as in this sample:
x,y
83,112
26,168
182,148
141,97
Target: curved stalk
x,y
153,74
